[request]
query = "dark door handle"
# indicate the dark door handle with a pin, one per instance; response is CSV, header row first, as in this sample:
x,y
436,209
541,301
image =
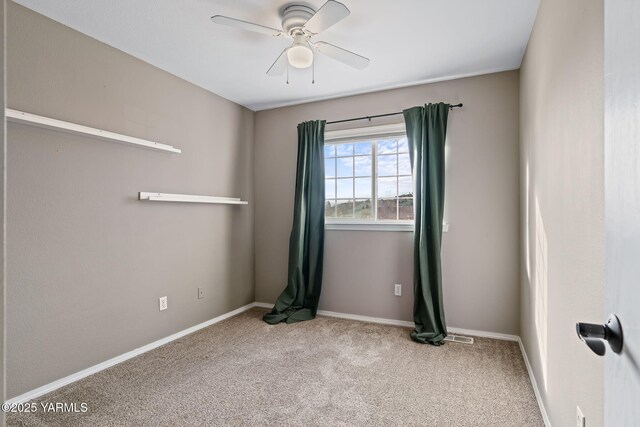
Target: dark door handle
x,y
595,335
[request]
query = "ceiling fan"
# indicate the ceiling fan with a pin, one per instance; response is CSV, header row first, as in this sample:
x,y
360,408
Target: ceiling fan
x,y
301,23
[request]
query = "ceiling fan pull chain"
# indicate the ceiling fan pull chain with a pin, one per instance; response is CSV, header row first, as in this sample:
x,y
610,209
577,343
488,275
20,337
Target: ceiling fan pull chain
x,y
313,72
287,72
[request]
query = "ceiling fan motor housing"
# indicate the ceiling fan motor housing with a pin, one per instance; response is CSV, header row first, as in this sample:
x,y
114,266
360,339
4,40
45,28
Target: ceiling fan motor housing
x,y
295,16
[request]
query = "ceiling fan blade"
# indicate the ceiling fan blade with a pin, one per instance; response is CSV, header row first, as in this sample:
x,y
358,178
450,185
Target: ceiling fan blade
x,y
244,25
339,54
329,14
280,65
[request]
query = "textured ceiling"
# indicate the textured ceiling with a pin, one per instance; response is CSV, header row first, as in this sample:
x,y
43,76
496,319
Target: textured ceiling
x,y
408,41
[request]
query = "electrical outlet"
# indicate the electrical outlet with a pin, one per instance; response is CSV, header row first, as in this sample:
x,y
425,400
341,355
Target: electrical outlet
x,y
581,421
201,293
163,303
398,290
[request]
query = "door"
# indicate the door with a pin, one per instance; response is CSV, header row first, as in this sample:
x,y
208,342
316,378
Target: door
x,y
622,207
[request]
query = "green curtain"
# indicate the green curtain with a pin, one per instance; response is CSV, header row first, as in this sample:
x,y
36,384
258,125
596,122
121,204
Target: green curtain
x,y
426,132
299,300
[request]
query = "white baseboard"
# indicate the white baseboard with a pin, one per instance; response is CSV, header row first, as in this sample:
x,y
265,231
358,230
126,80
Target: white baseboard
x,y
358,317
534,384
406,324
369,319
47,388
263,305
483,334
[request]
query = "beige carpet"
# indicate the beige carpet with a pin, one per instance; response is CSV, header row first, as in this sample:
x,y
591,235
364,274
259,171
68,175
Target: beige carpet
x,y
326,372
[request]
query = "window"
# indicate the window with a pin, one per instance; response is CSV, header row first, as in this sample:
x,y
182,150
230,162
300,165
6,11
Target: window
x,y
368,179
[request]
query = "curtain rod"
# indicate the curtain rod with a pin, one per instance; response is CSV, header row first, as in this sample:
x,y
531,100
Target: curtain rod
x,y
380,115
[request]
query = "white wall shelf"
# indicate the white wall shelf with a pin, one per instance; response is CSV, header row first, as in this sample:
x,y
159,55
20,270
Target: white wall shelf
x,y
375,226
49,123
189,198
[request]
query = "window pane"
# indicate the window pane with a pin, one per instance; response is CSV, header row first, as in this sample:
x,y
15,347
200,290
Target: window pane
x,y
387,146
329,188
364,209
345,188
387,187
363,187
362,148
344,149
345,209
404,164
388,208
405,186
330,209
354,191
345,166
329,150
405,209
363,166
330,168
403,145
388,165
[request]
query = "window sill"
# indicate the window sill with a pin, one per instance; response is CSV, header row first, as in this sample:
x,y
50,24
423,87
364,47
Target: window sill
x,y
369,226
359,226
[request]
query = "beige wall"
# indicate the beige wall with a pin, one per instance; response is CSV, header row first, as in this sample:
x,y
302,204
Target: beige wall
x,y
480,252
87,261
3,147
561,126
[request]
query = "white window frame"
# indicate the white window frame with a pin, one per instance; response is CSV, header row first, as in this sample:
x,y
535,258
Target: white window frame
x,y
373,132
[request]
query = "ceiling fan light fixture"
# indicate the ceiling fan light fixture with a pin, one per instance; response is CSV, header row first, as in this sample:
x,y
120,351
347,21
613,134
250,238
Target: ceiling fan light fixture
x,y
300,56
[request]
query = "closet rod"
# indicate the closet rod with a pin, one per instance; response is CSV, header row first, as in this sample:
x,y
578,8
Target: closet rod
x,y
380,115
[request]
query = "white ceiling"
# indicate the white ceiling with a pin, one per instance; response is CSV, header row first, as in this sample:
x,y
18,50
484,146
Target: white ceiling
x,y
408,41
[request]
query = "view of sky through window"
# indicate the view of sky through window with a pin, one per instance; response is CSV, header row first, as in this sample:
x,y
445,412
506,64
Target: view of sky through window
x,y
368,180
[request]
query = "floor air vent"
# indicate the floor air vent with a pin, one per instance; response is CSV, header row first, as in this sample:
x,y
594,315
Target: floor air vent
x,y
459,338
